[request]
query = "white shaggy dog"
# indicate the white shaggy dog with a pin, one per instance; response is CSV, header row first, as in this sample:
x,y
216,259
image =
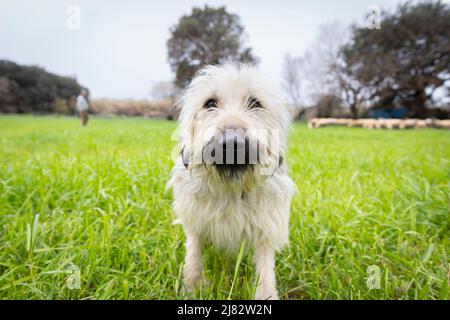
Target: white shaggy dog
x,y
230,182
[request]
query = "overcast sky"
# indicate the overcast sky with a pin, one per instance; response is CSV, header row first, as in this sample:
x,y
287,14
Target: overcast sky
x,y
120,49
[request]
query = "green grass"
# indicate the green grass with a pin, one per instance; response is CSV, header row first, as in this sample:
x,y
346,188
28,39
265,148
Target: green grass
x,y
94,198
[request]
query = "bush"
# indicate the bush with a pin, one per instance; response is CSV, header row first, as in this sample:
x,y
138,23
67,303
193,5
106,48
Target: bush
x,y
134,108
33,89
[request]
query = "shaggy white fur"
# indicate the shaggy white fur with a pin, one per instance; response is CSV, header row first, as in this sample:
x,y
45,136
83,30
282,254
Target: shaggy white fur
x,y
252,204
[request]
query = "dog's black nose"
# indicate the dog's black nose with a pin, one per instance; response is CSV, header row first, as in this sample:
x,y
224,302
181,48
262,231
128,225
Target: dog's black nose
x,y
233,149
232,154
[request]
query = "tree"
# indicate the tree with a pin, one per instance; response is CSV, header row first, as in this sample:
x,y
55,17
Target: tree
x,y
32,89
407,60
327,105
351,90
163,90
290,79
8,99
206,36
320,59
316,66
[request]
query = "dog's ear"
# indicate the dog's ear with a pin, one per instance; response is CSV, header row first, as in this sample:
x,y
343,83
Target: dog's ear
x,y
184,157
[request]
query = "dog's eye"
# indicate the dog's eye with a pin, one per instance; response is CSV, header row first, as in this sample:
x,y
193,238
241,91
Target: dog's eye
x,y
211,103
254,103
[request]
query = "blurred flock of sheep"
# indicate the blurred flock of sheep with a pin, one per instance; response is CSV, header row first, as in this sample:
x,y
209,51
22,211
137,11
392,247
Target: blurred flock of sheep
x,y
379,123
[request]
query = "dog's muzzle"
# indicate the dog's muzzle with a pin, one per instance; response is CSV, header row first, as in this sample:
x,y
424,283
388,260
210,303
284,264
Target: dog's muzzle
x,y
231,152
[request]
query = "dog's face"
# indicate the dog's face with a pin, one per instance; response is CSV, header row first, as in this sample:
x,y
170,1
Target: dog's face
x,y
232,123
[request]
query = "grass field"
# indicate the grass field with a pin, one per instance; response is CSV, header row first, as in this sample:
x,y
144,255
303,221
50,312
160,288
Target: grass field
x,y
93,199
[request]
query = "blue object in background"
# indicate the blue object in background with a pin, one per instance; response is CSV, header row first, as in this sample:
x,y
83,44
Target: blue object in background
x,y
396,113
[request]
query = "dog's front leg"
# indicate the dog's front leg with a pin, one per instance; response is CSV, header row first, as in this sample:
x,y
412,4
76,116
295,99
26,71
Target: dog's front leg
x,y
193,264
265,270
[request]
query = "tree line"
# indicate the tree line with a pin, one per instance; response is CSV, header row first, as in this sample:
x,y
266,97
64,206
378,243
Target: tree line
x,y
25,89
402,65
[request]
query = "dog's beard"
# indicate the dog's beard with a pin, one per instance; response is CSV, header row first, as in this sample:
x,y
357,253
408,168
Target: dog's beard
x,y
234,171
238,180
232,163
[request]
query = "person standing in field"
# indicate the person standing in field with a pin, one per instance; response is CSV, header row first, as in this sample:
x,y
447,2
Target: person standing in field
x,y
83,106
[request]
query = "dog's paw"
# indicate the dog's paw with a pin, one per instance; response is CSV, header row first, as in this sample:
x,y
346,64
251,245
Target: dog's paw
x,y
192,275
194,280
189,288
